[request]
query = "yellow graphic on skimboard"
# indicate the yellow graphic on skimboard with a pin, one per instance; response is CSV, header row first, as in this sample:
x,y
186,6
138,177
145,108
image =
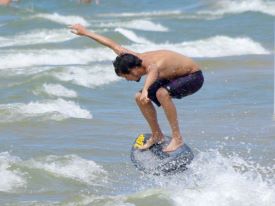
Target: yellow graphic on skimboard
x,y
139,141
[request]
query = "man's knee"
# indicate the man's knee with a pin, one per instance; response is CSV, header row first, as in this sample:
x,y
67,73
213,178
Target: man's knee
x,y
137,97
162,94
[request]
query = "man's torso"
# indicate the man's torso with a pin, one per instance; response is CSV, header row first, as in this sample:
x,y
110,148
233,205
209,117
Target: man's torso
x,y
169,64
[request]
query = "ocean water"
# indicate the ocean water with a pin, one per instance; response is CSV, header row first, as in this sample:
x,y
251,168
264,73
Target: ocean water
x,y
67,122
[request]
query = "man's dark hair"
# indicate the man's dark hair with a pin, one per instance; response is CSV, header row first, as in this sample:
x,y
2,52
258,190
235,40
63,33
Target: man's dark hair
x,y
125,62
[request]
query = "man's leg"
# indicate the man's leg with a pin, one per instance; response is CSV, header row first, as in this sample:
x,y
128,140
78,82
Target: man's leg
x,y
171,113
150,114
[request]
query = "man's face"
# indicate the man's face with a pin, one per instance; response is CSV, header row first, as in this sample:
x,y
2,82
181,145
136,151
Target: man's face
x,y
132,76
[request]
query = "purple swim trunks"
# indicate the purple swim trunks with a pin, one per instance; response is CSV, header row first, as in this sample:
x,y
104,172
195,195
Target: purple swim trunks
x,y
177,88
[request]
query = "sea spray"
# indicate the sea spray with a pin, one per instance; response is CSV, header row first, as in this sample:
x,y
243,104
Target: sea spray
x,y
144,25
70,166
11,179
46,110
56,90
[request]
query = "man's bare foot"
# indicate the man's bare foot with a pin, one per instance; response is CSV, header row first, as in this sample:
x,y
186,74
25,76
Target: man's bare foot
x,y
173,145
150,142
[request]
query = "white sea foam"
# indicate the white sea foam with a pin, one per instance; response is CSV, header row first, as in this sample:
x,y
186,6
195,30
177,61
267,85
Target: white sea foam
x,y
144,25
239,6
24,71
45,57
88,77
11,179
217,180
37,37
49,109
144,14
218,46
58,91
132,36
67,20
71,166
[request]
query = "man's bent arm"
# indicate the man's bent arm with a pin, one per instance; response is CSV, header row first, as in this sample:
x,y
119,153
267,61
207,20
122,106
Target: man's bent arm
x,y
152,76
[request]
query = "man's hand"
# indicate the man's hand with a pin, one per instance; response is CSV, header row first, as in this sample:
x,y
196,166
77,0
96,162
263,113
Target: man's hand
x,y
78,29
144,96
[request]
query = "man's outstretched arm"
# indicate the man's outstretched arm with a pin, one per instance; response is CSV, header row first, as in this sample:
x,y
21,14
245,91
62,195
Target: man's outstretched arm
x,y
82,31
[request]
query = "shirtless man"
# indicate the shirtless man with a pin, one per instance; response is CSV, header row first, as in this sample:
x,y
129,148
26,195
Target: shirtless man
x,y
169,75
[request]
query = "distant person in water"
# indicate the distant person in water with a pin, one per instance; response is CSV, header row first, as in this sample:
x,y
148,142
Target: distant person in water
x,y
169,75
4,2
89,1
